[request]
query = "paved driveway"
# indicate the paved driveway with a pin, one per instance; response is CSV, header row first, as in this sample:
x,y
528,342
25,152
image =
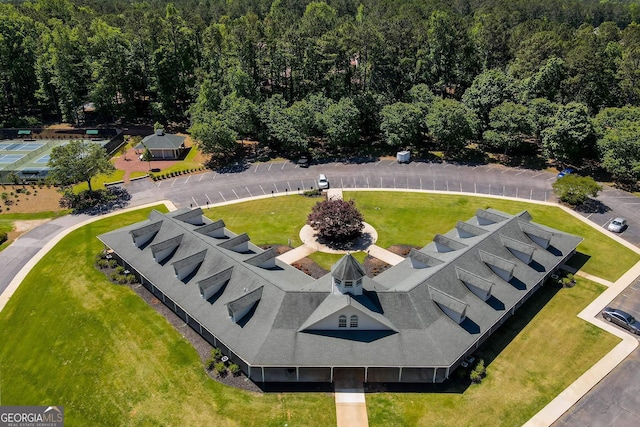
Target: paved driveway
x,y
279,177
615,400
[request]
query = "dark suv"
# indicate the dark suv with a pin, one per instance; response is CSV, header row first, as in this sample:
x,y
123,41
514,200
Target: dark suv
x,y
621,318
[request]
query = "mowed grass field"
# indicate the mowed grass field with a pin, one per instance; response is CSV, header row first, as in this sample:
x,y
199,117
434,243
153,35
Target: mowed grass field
x,y
71,338
414,219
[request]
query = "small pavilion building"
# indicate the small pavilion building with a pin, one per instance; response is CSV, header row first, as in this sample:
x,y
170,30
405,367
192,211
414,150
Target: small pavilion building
x,y
163,146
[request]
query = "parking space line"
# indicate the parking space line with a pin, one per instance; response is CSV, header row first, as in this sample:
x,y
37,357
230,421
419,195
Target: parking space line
x,y
208,198
222,196
263,192
283,165
188,178
234,192
378,162
270,164
250,195
256,169
538,174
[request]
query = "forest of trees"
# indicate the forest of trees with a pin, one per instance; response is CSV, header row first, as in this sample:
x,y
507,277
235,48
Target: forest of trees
x,y
340,76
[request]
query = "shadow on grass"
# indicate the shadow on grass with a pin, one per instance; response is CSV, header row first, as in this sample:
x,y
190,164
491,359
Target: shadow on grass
x,y
578,260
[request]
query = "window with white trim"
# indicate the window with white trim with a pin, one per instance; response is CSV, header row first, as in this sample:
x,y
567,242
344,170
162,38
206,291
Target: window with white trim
x,y
342,321
353,322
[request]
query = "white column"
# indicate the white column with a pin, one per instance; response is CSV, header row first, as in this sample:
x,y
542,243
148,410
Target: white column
x,y
400,375
434,374
298,373
366,373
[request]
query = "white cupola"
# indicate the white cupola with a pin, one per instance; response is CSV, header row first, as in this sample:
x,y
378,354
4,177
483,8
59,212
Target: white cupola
x,y
346,276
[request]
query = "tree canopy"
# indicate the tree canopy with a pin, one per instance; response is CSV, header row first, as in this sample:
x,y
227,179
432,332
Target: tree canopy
x,y
77,162
328,75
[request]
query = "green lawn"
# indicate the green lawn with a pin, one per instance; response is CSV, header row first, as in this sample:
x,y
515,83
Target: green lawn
x,y
71,338
99,180
7,220
531,359
414,219
76,340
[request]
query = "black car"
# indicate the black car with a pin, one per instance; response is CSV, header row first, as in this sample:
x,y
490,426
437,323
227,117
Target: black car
x,y
621,318
303,162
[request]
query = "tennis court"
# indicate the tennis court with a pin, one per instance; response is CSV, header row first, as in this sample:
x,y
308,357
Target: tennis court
x,y
43,159
10,158
20,146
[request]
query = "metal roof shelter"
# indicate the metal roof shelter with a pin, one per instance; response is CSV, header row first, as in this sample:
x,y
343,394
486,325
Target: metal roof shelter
x,y
415,322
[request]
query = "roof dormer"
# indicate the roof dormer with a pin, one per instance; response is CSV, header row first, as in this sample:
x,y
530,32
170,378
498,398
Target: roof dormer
x,y
144,234
421,260
185,266
451,306
480,286
520,250
446,244
212,284
215,229
238,244
162,250
191,216
266,259
502,267
486,217
539,235
239,308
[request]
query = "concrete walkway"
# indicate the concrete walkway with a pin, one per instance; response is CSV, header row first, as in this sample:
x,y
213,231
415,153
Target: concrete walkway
x,y
295,254
384,255
351,406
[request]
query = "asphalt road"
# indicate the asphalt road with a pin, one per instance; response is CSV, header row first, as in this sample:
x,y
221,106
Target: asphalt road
x,y
279,177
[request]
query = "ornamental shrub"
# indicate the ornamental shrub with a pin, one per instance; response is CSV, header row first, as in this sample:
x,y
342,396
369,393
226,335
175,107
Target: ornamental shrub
x,y
336,220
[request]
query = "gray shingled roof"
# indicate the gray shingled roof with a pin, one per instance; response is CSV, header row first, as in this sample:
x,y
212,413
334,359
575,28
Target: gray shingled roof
x,y
467,230
402,295
448,301
234,241
166,141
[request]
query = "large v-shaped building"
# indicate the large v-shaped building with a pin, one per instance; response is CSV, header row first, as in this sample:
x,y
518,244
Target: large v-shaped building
x,y
415,322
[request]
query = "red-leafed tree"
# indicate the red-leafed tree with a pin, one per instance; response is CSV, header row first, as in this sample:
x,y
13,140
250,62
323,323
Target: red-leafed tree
x,y
336,220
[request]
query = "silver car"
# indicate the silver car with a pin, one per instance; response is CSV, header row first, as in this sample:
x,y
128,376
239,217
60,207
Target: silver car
x,y
617,225
323,182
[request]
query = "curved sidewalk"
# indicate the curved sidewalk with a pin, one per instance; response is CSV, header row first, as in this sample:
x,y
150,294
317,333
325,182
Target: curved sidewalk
x,y
26,251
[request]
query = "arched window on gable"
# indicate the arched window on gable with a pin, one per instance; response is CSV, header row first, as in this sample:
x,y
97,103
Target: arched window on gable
x,y
353,323
342,321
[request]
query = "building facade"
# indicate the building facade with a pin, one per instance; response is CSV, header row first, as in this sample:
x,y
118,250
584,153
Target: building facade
x,y
415,322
